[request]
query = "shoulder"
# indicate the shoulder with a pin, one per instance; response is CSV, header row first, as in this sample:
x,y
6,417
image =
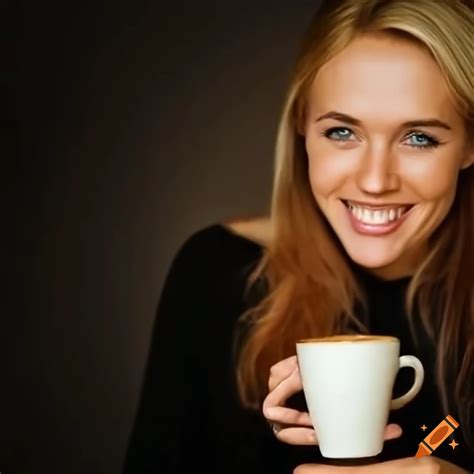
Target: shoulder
x,y
256,229
228,236
225,246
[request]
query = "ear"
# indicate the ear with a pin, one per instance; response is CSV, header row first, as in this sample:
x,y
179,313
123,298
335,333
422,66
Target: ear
x,y
468,158
300,120
301,123
468,150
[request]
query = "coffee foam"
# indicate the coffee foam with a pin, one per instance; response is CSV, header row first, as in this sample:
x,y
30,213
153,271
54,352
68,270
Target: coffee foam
x,y
350,338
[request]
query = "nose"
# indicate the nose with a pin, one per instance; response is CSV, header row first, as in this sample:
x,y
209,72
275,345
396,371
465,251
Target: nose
x,y
377,172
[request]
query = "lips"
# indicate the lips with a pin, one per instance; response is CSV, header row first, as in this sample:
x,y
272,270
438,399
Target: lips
x,y
376,219
371,206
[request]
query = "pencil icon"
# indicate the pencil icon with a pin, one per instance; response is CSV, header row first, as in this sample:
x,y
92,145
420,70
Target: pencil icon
x,y
436,436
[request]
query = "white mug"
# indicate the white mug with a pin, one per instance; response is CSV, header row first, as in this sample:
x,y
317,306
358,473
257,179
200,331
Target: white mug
x,y
348,382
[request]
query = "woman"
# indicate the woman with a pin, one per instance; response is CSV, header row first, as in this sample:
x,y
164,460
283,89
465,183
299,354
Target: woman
x,y
371,230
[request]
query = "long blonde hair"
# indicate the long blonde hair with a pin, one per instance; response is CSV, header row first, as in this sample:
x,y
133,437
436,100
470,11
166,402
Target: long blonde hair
x,y
311,289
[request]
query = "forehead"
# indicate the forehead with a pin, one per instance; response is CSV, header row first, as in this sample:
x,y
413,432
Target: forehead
x,y
382,74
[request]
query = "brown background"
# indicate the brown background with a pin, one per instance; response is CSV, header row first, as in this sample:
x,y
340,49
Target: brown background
x,y
141,122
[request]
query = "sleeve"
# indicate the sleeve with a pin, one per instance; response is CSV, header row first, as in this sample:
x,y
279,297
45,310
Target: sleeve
x,y
172,403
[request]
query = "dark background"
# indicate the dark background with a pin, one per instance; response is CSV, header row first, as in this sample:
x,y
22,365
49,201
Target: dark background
x,y
133,125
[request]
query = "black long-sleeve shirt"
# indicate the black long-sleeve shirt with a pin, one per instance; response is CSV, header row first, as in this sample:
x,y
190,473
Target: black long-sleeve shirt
x,y
189,416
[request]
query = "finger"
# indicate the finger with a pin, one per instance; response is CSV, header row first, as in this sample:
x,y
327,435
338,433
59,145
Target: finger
x,y
307,436
387,467
300,435
393,431
297,436
284,390
325,469
311,469
281,371
287,416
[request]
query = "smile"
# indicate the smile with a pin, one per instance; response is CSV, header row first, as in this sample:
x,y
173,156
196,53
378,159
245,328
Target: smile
x,y
376,219
379,215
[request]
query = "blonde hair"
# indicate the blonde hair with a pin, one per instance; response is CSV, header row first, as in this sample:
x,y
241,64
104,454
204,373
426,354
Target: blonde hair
x,y
304,266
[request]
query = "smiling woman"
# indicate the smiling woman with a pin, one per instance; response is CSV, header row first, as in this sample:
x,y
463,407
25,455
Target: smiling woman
x,y
371,231
389,170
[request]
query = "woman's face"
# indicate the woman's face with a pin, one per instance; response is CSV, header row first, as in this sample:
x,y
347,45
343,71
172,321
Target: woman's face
x,y
385,146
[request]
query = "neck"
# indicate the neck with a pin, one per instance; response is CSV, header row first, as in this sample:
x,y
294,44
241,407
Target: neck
x,y
403,267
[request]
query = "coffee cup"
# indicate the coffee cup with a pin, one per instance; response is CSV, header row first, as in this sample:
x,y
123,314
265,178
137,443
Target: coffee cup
x,y
347,383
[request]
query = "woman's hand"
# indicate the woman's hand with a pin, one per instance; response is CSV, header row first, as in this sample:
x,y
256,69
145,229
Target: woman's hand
x,y
425,465
292,426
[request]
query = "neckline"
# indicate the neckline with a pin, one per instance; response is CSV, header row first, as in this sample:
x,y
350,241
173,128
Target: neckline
x,y
374,280
231,233
358,270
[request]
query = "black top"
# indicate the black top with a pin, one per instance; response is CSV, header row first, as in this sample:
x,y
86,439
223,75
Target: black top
x,y
189,416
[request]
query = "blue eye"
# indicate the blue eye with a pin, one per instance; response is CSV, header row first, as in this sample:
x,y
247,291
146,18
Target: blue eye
x,y
421,140
340,134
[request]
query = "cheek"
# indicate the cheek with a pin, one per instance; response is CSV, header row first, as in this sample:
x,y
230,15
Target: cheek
x,y
433,181
327,171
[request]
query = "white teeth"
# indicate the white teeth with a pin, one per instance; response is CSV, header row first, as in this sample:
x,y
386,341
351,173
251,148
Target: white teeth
x,y
379,216
375,217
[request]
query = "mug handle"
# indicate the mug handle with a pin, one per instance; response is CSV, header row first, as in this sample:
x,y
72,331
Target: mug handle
x,y
415,364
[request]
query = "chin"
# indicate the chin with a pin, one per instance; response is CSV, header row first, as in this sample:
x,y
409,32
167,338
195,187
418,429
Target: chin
x,y
371,259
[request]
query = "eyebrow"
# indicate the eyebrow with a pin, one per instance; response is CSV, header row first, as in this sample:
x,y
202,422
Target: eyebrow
x,y
411,123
